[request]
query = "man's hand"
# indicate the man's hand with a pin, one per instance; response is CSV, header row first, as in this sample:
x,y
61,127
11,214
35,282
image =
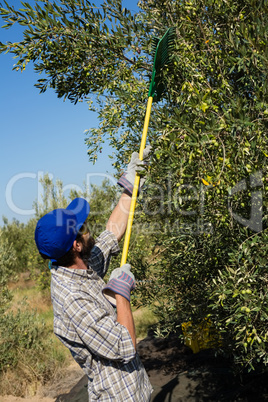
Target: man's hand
x,y
121,282
135,165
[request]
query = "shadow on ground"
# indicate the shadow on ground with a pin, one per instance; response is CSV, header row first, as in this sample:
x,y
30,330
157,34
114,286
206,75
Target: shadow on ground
x,y
178,375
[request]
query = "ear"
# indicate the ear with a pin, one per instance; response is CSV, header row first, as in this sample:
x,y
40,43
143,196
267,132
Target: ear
x,y
77,245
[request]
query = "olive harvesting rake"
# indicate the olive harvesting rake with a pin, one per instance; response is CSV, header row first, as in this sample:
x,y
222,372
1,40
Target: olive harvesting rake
x,y
163,49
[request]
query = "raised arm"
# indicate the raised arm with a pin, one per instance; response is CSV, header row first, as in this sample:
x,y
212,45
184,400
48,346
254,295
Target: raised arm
x,y
117,222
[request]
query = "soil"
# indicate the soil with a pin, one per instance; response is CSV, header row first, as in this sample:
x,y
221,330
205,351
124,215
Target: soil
x,y
177,375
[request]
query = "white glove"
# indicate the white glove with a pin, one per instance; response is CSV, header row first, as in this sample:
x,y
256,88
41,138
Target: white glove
x,y
135,165
121,282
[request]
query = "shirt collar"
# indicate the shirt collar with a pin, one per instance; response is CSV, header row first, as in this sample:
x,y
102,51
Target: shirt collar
x,y
72,273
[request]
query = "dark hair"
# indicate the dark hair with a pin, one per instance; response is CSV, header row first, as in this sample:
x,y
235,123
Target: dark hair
x,y
68,259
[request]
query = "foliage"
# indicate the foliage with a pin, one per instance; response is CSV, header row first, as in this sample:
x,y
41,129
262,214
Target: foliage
x,y
144,319
22,345
19,333
240,294
52,197
7,257
29,357
102,200
7,261
84,49
88,51
203,217
208,191
20,235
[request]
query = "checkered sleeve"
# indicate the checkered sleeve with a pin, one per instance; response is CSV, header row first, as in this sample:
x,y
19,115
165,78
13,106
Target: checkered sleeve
x,y
106,246
98,330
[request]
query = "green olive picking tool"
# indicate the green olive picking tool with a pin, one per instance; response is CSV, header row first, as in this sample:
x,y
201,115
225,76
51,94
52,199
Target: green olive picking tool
x,y
163,49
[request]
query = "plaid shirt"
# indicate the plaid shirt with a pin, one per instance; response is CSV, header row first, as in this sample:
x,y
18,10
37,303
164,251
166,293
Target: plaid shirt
x,y
86,323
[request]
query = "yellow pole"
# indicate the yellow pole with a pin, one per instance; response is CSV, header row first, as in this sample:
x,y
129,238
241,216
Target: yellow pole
x,y
136,183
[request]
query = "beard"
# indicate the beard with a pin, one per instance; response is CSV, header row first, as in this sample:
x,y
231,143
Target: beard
x,y
88,245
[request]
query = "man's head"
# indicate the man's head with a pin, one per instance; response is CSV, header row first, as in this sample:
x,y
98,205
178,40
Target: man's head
x,y
57,231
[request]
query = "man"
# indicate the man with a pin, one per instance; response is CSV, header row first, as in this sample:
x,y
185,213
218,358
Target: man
x,y
101,340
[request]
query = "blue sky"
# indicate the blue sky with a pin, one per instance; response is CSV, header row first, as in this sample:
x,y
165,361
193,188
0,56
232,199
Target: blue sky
x,y
40,133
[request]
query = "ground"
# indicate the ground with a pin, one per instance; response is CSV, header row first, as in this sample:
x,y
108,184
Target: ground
x,y
176,374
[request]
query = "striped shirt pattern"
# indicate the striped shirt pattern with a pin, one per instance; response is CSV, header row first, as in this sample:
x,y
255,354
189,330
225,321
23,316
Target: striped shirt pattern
x,y
86,323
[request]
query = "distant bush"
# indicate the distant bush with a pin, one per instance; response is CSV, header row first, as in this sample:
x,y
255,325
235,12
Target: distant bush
x,y
21,336
21,236
8,257
28,356
25,349
7,262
